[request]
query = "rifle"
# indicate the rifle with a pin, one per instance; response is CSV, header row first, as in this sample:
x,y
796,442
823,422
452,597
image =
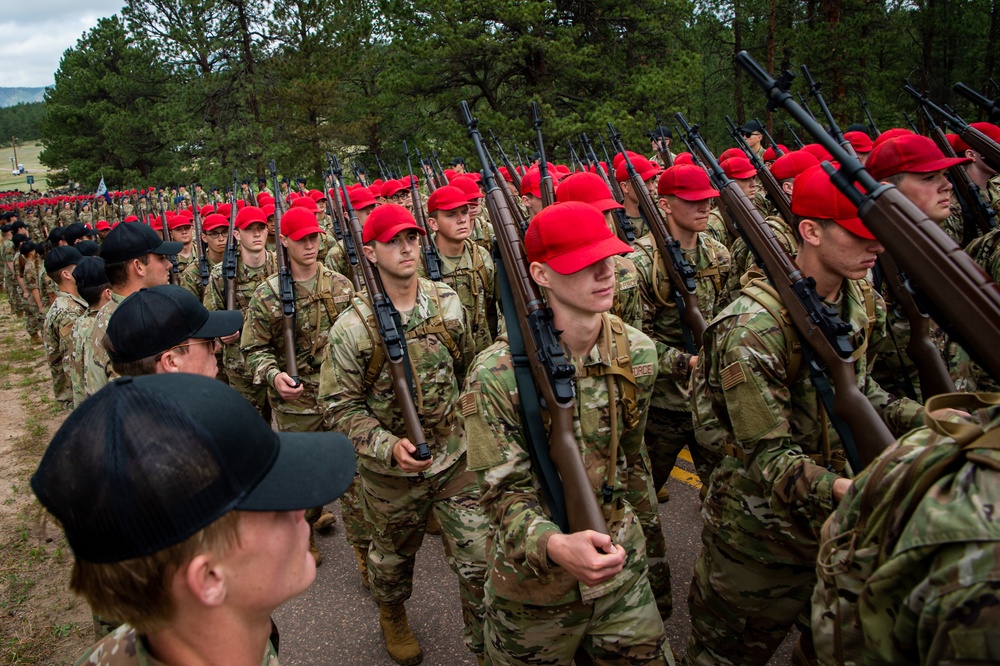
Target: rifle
x,y
425,167
979,142
626,230
515,212
336,214
827,348
680,272
442,178
172,276
961,296
767,179
832,124
568,491
663,151
286,287
381,168
390,329
349,246
545,180
770,139
616,188
229,257
432,260
975,212
802,101
690,149
514,174
911,123
868,115
203,271
991,107
795,137
574,160
520,162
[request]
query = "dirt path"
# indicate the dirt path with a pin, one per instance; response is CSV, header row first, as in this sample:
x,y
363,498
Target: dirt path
x,y
41,622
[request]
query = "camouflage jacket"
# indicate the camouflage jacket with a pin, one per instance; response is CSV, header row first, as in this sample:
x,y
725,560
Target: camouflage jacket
x,y
247,281
31,282
66,217
191,277
772,488
57,334
661,319
336,256
7,254
47,288
369,415
717,228
472,277
183,262
82,327
511,497
96,364
125,647
743,260
318,302
482,231
627,305
923,591
639,228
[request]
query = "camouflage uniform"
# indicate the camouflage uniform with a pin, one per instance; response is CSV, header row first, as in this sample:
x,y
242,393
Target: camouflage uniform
x,y
472,277
317,303
482,231
125,647
771,488
743,260
57,335
929,591
537,612
86,217
717,228
96,364
47,288
639,228
66,217
34,316
233,361
191,277
10,285
627,305
82,327
336,256
396,503
968,375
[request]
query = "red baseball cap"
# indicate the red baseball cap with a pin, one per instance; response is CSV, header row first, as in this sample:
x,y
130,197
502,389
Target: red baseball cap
x,y
207,210
102,225
817,151
960,146
391,187
792,164
588,188
683,158
910,153
386,221
468,186
643,167
214,221
531,182
315,195
448,197
860,142
571,236
361,198
261,196
890,134
178,221
506,174
131,218
686,181
268,209
304,202
224,209
249,215
771,154
738,168
730,153
299,222
816,198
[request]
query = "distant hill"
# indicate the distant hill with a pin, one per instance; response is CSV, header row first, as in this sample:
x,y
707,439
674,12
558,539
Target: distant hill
x,y
12,96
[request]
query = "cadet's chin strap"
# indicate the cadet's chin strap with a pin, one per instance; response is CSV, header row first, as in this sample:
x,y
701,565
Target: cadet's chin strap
x,y
531,414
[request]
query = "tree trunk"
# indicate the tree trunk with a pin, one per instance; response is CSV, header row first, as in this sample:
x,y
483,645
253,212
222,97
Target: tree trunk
x,y
737,47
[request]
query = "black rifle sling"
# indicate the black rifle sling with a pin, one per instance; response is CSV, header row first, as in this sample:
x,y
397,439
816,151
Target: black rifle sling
x,y
531,413
824,389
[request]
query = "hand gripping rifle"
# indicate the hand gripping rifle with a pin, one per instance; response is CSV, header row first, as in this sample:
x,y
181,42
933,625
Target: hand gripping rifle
x,y
774,192
962,297
626,230
390,330
432,260
568,491
680,272
173,276
979,142
229,257
545,179
515,175
827,349
991,107
286,286
352,250
203,271
778,152
975,211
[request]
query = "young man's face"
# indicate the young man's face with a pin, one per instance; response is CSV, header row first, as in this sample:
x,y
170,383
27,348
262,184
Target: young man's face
x,y
182,234
688,215
216,239
844,253
590,290
753,139
532,203
451,224
399,257
930,192
253,237
302,251
198,357
157,271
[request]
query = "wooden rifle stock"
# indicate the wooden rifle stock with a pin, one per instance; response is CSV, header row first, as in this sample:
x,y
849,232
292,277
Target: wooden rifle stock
x,y
393,339
767,180
349,246
552,372
979,142
680,272
432,260
203,271
286,286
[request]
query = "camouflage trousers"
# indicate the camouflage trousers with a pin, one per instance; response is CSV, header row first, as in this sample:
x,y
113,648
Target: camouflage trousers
x,y
623,627
741,609
34,319
647,511
240,378
667,432
397,508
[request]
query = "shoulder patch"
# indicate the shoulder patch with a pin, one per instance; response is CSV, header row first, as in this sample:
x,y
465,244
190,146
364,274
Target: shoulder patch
x,y
467,404
343,298
642,370
732,375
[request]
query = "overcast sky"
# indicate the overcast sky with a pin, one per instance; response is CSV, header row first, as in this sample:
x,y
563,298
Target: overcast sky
x,y
34,34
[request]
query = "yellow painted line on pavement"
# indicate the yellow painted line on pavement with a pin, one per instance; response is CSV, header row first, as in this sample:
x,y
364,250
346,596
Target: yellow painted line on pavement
x,y
686,477
686,455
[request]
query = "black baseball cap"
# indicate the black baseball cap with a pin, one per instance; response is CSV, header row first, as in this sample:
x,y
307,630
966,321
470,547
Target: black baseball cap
x,y
131,241
5,228
89,272
662,131
154,319
457,161
146,462
59,258
87,248
57,234
74,232
751,127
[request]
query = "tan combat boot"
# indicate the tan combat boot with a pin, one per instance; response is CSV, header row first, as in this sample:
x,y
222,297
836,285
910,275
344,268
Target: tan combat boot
x,y
362,557
314,547
399,640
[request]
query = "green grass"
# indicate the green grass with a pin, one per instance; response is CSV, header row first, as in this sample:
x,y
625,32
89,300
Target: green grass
x,y
27,154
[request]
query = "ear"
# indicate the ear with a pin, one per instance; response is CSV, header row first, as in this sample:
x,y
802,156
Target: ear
x,y
787,187
432,223
205,580
811,232
168,362
539,273
369,253
664,205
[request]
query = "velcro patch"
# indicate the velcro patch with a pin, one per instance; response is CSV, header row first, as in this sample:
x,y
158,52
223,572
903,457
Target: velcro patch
x,y
642,370
341,299
467,404
732,375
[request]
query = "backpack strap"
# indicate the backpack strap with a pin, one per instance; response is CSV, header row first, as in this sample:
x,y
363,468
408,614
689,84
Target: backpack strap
x,y
767,297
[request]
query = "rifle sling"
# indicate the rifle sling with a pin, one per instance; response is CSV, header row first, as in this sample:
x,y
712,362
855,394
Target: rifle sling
x,y
820,380
531,413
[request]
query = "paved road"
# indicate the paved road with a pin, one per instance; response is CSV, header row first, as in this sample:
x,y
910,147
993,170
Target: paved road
x,y
336,623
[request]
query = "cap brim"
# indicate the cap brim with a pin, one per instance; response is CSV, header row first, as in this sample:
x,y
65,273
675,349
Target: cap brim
x,y
697,195
167,248
312,468
299,234
391,232
937,165
604,205
220,323
578,259
857,227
